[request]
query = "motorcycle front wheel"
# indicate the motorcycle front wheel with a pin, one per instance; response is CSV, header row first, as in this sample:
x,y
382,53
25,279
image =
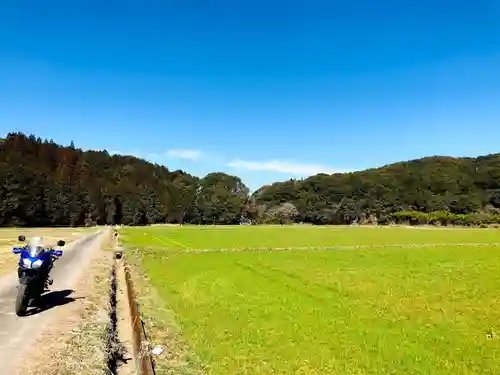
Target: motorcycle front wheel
x,y
22,300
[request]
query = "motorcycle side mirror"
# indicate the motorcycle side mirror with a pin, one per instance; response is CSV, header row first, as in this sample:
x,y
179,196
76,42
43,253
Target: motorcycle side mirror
x,y
61,243
16,250
21,238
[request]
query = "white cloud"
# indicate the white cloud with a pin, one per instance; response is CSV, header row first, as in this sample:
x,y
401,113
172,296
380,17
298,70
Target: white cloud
x,y
184,154
296,169
178,153
290,168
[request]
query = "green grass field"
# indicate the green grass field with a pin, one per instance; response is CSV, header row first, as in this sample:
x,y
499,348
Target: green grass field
x,y
425,308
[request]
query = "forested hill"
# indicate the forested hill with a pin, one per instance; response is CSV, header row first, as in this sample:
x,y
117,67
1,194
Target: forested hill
x,y
433,184
47,184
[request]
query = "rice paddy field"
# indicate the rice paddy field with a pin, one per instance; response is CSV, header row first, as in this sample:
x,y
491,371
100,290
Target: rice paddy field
x,y
329,300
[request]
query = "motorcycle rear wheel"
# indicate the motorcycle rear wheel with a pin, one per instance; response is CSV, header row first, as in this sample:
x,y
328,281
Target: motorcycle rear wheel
x,y
22,300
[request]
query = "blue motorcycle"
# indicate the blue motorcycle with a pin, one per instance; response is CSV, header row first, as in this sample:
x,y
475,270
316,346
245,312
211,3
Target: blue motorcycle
x,y
35,264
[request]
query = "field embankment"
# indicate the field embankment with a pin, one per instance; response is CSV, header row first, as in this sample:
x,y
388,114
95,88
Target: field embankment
x,y
412,302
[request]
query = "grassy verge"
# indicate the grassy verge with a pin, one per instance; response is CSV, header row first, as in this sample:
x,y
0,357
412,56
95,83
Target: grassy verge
x,y
423,310
161,326
85,351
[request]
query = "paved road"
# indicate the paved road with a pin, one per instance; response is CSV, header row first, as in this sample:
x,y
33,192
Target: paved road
x,y
17,334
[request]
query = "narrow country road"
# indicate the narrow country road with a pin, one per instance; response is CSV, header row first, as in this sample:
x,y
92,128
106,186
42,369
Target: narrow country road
x,y
17,334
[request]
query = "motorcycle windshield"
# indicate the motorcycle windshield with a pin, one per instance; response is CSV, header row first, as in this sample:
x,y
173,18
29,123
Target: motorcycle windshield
x,y
35,247
35,251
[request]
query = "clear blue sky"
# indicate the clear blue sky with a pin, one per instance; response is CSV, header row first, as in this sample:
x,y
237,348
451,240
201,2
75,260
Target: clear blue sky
x,y
267,90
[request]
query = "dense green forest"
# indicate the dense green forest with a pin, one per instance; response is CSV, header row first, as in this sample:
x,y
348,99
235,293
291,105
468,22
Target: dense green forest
x,y
45,184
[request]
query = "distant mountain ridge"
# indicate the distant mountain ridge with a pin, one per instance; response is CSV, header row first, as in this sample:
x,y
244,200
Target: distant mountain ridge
x,y
48,184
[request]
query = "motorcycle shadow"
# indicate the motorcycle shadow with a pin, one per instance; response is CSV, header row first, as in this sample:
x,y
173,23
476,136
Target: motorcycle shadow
x,y
53,299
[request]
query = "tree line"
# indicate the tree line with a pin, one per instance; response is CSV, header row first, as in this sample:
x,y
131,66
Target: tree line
x,y
45,184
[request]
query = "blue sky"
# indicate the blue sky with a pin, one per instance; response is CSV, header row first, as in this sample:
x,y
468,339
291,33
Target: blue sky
x,y
266,90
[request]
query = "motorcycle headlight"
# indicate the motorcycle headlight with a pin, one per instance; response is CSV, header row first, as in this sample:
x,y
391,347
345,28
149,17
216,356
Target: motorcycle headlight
x,y
37,263
26,263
